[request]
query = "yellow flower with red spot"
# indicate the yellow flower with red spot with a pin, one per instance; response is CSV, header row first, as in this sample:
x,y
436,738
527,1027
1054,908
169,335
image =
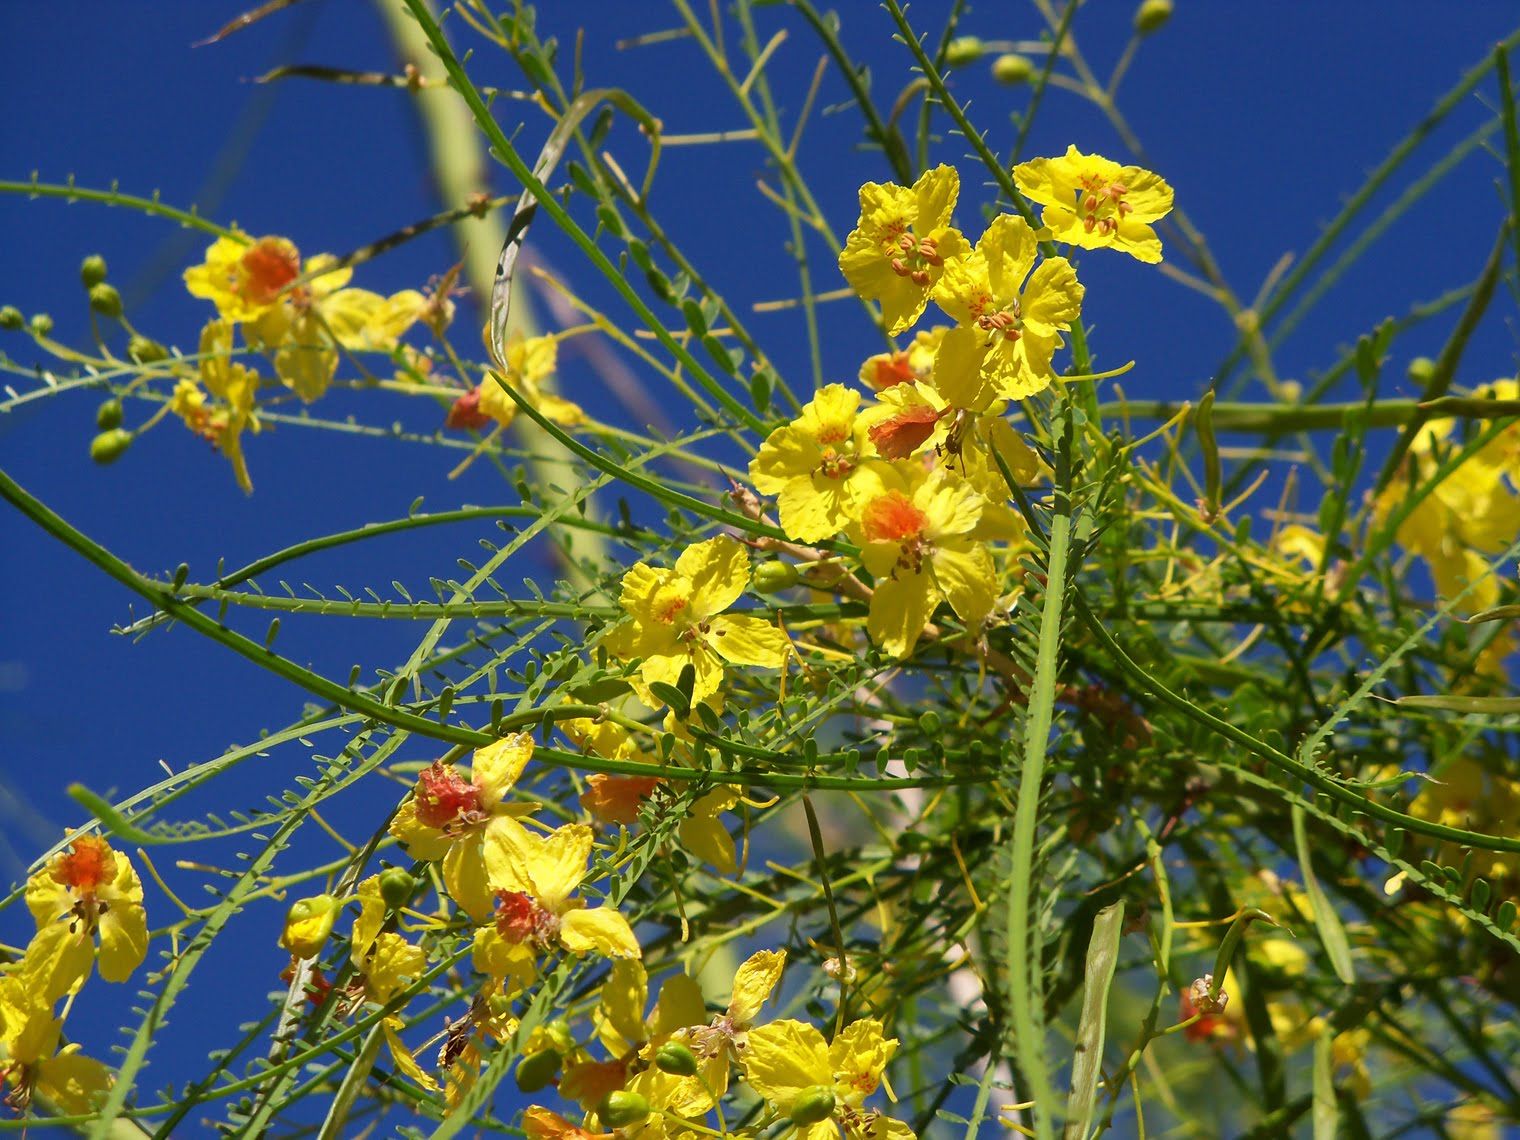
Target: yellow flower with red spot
x,y
821,1086
1094,203
531,362
903,366
31,1064
678,620
902,244
244,278
1008,328
85,893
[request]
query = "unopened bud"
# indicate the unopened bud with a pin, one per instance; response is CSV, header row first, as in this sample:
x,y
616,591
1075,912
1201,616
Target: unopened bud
x,y
536,1070
109,446
108,415
105,300
308,925
11,318
396,887
559,1035
42,324
676,1059
620,1109
1203,1000
146,350
1152,16
812,1105
92,270
1421,369
772,576
1012,69
840,972
963,50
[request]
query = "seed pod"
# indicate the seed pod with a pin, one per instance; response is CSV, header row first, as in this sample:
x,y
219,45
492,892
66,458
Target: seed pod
x,y
1012,69
620,1109
812,1105
109,446
676,1059
108,415
105,300
92,270
1152,16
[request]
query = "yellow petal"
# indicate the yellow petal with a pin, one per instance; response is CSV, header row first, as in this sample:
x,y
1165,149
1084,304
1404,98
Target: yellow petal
x,y
600,929
496,767
56,961
123,940
900,607
750,641
513,962
754,982
619,1015
718,571
706,838
465,876
784,1058
858,1056
73,1083
680,1006
403,1056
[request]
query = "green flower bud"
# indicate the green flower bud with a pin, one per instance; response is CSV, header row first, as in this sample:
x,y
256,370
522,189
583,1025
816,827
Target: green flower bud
x,y
42,324
1421,369
676,1059
536,1070
963,50
11,318
812,1105
396,887
109,446
308,924
108,415
772,576
620,1109
1012,69
105,300
1152,16
559,1035
930,722
92,270
146,350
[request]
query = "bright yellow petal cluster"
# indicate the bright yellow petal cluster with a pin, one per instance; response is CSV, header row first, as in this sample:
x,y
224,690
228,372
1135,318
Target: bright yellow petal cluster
x,y
1094,203
82,895
531,364
818,1084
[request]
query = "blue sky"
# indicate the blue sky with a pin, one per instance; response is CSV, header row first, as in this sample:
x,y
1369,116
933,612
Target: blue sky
x,y
1264,118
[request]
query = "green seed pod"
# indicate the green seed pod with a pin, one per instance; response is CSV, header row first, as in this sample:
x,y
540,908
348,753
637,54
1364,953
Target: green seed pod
x,y
1012,69
109,446
396,887
963,50
1421,369
308,924
92,270
146,350
812,1105
772,576
1152,16
676,1059
11,318
536,1070
42,324
105,300
620,1109
108,415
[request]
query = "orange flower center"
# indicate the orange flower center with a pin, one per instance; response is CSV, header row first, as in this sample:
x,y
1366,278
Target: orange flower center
x,y
89,864
893,518
667,614
446,800
903,434
832,465
269,266
520,918
889,371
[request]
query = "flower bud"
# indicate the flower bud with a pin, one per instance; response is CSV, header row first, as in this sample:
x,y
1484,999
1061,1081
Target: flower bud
x,y
396,887
42,324
11,318
105,300
109,446
108,415
536,1070
92,270
676,1059
1012,69
308,924
620,1109
963,50
559,1035
1152,16
812,1105
1421,369
146,350
772,576
1204,1002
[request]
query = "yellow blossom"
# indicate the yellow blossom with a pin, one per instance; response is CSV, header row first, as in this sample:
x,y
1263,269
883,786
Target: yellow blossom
x,y
903,366
531,361
702,833
1093,202
31,1063
88,891
235,388
244,278
902,244
677,619
724,1039
1007,328
822,1086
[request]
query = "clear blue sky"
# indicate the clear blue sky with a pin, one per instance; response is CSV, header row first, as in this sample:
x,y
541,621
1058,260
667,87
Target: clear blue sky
x,y
1263,116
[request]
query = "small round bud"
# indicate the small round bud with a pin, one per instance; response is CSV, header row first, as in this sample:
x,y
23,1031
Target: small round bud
x,y
146,350
1152,16
42,324
308,924
109,446
1012,69
676,1059
92,270
772,576
396,887
1421,369
560,1036
108,415
620,1109
105,300
963,50
11,318
536,1070
812,1105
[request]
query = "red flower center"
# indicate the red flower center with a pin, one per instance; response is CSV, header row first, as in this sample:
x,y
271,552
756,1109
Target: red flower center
x,y
270,265
519,918
90,863
444,797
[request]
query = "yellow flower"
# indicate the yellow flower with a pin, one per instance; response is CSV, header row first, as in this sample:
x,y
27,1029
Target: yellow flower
x,y
244,278
702,833
907,420
236,390
903,366
621,1024
918,544
31,1063
449,817
611,798
86,891
531,361
821,1086
724,1039
1005,335
678,620
903,243
1093,202
534,878
819,465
